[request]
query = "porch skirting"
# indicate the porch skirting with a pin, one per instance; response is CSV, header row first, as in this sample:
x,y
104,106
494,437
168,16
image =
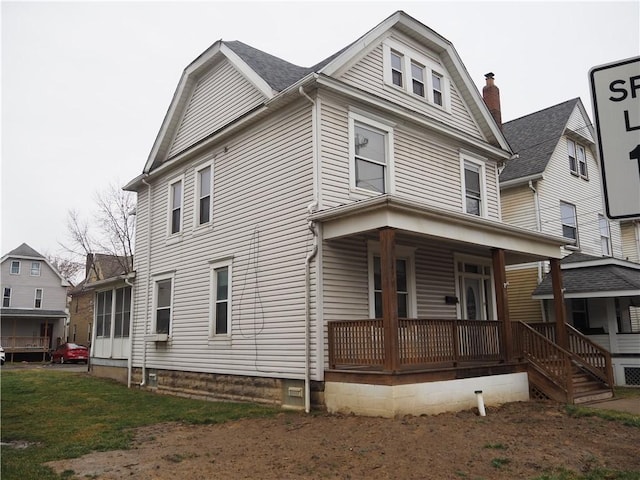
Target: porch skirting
x,y
426,398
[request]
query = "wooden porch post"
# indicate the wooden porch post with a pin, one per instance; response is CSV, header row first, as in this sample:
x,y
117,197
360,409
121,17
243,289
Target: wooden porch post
x,y
389,299
502,302
558,304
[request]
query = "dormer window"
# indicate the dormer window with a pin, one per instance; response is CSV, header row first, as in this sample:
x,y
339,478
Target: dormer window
x,y
425,77
577,159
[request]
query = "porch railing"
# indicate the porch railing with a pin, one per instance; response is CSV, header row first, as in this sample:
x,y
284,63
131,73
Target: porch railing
x,y
422,342
30,343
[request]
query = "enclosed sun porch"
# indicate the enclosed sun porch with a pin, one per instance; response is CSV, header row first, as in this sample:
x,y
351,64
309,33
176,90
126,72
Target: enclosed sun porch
x,y
416,295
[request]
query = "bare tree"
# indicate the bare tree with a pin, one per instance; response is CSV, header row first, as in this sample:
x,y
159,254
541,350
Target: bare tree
x,y
110,232
67,267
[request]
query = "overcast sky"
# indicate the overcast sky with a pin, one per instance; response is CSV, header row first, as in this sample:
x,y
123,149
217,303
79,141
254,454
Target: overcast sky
x,y
85,85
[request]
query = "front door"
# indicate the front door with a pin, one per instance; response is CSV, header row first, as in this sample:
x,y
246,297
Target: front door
x,y
476,292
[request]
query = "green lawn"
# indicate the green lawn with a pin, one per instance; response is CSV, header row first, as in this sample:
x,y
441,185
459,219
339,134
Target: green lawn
x,y
65,415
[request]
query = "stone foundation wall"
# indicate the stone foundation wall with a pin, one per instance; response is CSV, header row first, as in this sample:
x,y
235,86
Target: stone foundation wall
x,y
119,374
210,386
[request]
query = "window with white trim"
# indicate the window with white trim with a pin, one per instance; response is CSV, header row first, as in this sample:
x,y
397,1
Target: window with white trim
x,y
162,307
605,235
405,282
6,297
582,162
38,298
371,159
175,207
15,267
577,159
569,221
204,186
221,298
427,78
473,186
475,288
35,269
104,303
571,151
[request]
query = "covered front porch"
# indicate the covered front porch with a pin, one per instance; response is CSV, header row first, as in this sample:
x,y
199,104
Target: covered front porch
x,y
434,285
31,333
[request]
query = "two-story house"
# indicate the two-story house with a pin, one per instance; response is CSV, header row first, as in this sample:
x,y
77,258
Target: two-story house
x,y
554,186
100,313
330,235
34,311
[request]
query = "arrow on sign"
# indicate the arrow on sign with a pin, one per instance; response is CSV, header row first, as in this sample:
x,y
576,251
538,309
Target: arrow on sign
x,y
635,155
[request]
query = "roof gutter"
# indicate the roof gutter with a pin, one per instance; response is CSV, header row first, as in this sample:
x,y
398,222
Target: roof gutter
x,y
516,182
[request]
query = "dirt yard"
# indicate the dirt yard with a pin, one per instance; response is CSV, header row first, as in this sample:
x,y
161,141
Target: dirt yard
x,y
515,441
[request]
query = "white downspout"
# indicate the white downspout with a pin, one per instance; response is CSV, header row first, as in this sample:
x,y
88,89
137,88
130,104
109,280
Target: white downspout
x,y
536,204
146,319
312,254
129,361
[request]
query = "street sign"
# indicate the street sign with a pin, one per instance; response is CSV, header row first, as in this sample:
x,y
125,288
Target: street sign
x,y
615,92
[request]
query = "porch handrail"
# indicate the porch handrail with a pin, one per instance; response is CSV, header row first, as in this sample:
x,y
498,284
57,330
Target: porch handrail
x,y
593,357
11,342
588,354
547,356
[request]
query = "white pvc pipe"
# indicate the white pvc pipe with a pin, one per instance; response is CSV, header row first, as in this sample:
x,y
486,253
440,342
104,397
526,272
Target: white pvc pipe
x,y
481,409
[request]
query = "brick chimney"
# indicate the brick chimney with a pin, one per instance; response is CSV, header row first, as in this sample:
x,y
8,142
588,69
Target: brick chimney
x,y
491,95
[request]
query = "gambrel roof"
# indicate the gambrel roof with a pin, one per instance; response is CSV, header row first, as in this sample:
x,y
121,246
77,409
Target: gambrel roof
x,y
272,78
534,138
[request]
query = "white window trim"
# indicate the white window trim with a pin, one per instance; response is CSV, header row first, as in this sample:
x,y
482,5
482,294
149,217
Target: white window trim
x,y
481,164
11,267
213,266
9,297
196,196
35,297
390,185
402,252
579,162
481,261
576,244
156,279
39,269
602,218
170,185
111,315
410,55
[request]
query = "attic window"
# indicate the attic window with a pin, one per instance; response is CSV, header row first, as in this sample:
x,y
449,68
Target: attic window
x,y
427,79
577,159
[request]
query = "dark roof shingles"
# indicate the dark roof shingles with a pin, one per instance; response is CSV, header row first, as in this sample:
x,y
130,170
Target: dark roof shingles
x,y
603,278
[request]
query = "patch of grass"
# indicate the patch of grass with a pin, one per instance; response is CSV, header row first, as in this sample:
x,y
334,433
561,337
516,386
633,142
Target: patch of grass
x,y
596,474
495,446
66,415
500,462
627,419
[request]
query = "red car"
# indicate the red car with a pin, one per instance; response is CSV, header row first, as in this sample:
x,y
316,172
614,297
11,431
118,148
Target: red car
x,y
70,352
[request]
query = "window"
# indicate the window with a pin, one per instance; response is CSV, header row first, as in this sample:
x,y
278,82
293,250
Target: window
x,y
580,314
38,298
577,159
122,312
163,301
371,163
417,78
221,298
427,81
397,62
6,297
15,267
582,162
103,313
35,269
473,187
204,185
436,81
405,281
569,221
175,198
605,235
573,163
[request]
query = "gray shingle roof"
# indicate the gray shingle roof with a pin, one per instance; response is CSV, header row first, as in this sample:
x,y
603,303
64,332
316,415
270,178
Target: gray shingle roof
x,y
31,312
534,138
593,279
24,250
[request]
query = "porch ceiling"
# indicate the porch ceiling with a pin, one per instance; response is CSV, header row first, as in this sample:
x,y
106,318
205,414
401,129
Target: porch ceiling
x,y
520,245
31,313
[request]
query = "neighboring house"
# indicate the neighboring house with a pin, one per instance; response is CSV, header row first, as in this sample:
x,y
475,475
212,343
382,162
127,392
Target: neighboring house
x,y
555,187
101,313
330,235
34,311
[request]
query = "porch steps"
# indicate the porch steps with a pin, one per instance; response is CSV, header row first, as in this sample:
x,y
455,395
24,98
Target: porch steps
x,y
587,388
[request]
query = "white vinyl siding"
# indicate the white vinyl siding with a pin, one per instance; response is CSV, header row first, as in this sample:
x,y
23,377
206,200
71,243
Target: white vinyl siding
x,y
219,97
518,207
23,286
367,74
263,184
630,236
425,167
